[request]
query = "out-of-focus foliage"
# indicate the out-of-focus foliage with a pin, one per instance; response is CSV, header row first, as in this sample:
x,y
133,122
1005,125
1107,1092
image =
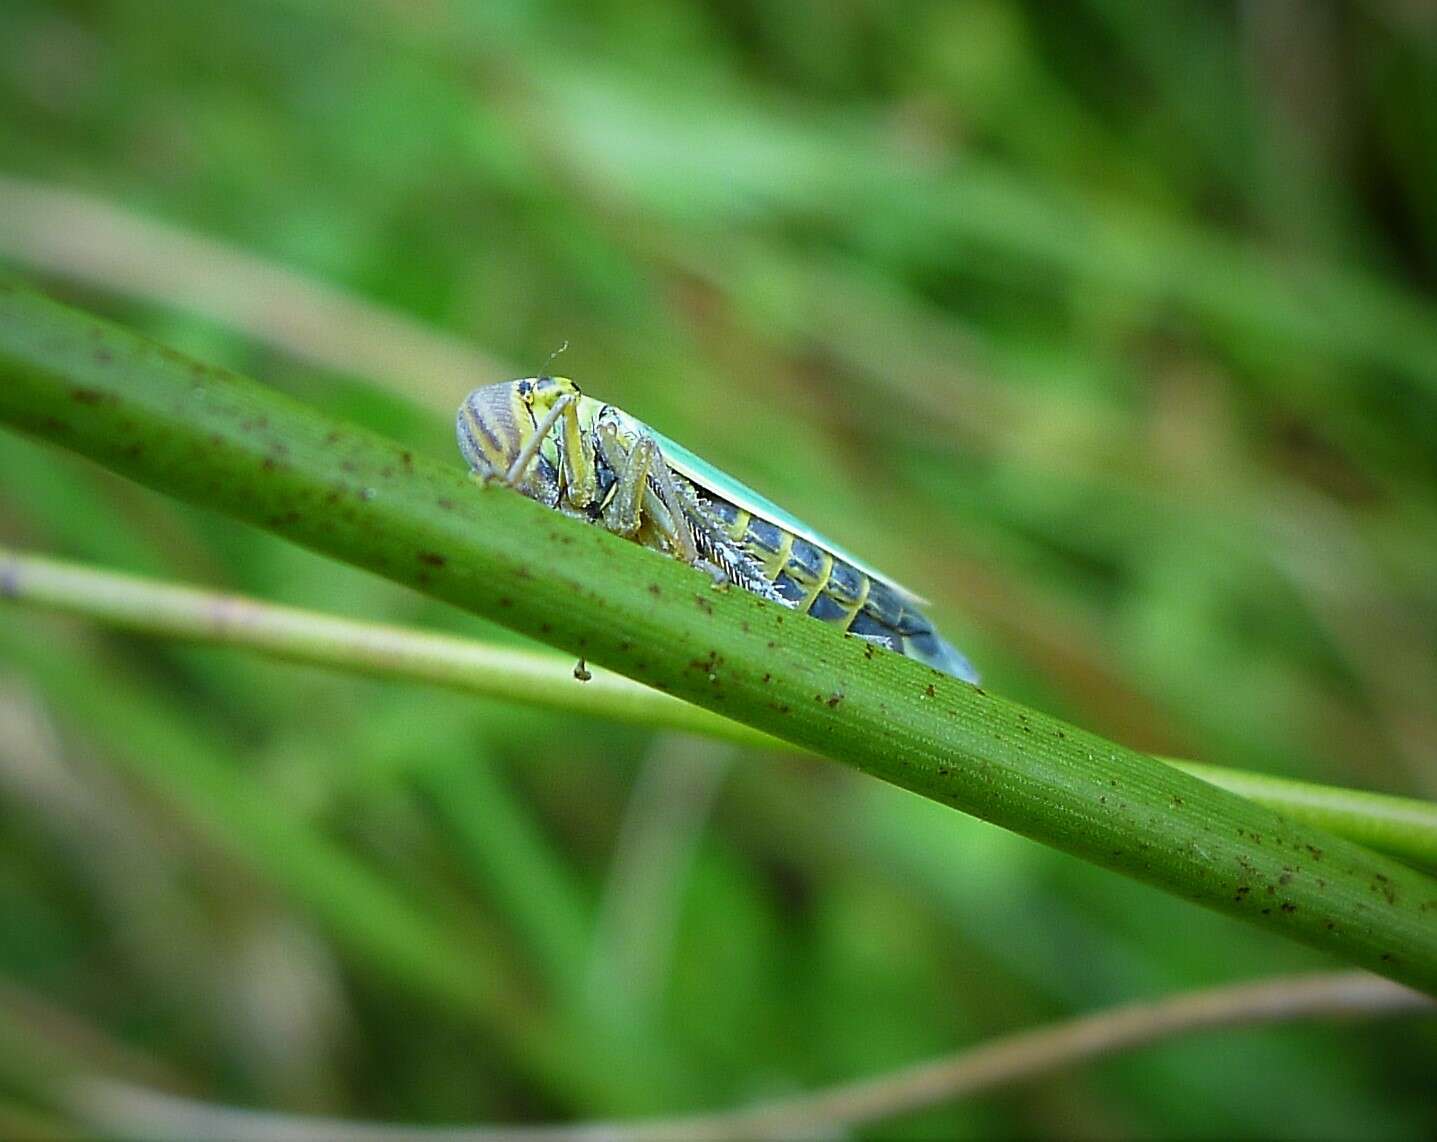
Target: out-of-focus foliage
x,y
1109,326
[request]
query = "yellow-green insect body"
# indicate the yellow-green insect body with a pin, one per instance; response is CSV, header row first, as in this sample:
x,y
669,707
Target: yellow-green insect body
x,y
591,460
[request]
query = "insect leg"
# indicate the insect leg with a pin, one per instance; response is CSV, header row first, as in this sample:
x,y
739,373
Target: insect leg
x,y
645,488
581,478
623,511
520,467
664,479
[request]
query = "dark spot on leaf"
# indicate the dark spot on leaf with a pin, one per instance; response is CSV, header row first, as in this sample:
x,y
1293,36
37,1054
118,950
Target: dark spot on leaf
x,y
88,396
445,503
654,590
706,665
433,558
929,691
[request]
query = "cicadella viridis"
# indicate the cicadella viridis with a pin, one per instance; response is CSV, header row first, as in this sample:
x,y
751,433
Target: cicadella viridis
x,y
544,438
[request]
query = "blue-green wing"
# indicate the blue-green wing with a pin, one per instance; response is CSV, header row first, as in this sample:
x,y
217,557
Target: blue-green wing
x,y
705,475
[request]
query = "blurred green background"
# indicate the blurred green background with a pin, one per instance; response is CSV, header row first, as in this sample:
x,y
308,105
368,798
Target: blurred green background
x,y
1109,326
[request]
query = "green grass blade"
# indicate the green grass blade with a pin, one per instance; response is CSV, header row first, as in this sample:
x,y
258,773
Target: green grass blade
x,y
220,440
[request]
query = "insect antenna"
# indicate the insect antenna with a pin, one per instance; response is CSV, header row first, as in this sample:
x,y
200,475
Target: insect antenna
x,y
544,369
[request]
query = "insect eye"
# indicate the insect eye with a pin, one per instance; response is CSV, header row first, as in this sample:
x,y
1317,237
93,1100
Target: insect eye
x,y
526,392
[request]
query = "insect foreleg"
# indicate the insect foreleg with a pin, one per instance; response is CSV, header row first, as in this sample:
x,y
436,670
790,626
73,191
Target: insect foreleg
x,y
520,467
581,477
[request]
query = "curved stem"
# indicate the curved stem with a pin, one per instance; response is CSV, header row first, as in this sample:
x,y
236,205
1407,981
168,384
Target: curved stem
x,y
140,1112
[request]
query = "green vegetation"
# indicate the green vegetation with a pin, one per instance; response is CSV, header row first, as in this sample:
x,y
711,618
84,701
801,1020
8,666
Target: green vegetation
x,y
1107,326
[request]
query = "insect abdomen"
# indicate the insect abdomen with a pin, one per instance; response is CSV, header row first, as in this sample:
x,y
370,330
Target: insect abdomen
x,y
812,580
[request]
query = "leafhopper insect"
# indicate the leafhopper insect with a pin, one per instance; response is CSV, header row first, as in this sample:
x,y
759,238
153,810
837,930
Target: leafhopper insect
x,y
544,438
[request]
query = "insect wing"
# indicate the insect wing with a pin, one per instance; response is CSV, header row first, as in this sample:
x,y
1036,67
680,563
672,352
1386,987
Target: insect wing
x,y
706,476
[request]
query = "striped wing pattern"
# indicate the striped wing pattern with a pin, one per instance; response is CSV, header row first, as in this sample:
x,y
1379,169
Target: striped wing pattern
x,y
812,574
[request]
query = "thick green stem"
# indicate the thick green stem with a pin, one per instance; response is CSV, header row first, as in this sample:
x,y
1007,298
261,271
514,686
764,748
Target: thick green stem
x,y
1401,826
227,443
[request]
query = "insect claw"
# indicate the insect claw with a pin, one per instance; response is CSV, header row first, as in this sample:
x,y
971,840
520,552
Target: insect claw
x,y
720,579
488,478
581,671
